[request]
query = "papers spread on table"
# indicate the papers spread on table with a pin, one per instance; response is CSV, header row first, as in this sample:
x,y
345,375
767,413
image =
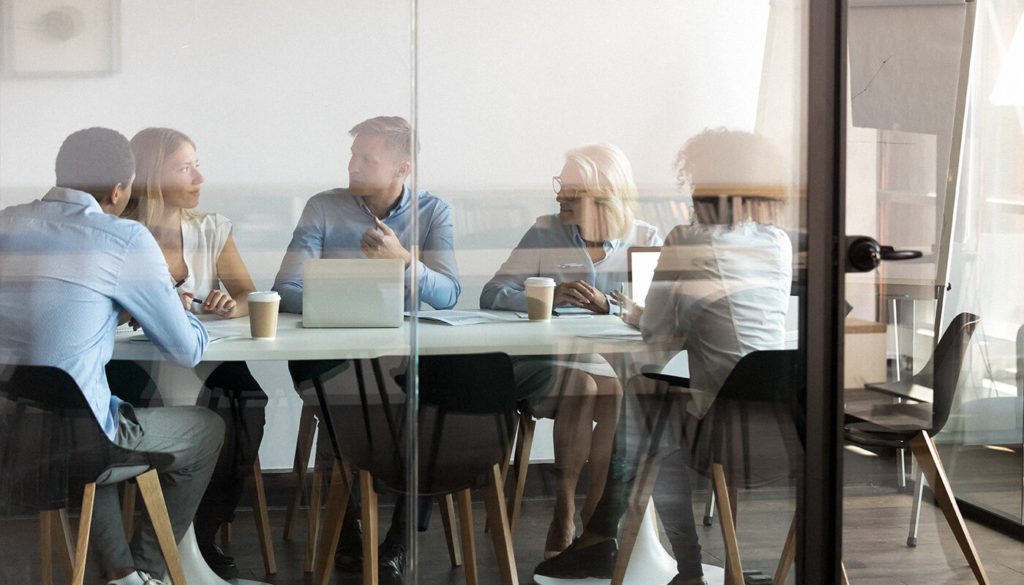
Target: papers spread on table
x,y
624,333
453,317
559,315
213,337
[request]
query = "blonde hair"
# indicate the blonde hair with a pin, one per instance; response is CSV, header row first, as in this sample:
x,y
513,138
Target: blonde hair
x,y
151,147
608,180
396,131
739,175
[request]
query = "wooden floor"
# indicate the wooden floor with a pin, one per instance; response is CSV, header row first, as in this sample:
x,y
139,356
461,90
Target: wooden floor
x,y
875,526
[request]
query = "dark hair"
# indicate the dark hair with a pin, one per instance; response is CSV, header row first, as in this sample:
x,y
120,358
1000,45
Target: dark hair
x,y
95,160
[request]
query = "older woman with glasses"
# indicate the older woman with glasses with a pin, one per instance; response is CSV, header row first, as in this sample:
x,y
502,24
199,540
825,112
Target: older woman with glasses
x,y
583,248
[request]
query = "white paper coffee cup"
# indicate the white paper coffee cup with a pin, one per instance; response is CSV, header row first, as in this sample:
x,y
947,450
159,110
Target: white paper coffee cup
x,y
540,294
263,307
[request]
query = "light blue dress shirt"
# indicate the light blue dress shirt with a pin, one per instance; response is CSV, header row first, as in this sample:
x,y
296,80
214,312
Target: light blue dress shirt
x,y
552,249
67,270
332,224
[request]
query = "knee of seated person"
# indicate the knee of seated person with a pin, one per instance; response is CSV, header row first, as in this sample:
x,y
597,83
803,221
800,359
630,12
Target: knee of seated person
x,y
211,426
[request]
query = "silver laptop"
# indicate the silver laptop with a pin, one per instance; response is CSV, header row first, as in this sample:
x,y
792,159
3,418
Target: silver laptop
x,y
353,293
641,262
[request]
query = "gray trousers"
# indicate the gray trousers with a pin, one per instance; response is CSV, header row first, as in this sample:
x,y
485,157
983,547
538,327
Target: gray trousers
x,y
193,435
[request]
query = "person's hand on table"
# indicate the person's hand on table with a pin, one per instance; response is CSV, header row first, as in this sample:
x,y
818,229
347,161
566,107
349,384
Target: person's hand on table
x,y
219,303
579,293
630,310
380,241
186,300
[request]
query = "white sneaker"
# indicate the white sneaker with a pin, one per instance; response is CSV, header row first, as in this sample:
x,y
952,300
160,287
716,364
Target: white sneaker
x,y
147,579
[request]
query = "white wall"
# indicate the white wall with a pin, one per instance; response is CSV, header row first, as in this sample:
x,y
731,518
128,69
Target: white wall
x,y
268,90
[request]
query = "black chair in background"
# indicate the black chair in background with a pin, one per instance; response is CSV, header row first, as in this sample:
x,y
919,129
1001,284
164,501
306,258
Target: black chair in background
x,y
752,436
925,401
50,443
466,421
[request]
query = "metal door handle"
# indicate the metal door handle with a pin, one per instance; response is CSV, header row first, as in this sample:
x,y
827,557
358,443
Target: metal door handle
x,y
863,253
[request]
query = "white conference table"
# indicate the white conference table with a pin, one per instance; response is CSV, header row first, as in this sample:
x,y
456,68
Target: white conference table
x,y
604,334
511,335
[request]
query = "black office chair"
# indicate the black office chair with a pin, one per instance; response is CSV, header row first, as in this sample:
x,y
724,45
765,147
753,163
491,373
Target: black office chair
x,y
912,424
51,444
752,436
465,425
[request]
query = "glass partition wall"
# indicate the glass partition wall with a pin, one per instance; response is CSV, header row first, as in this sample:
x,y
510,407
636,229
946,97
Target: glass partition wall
x,y
650,159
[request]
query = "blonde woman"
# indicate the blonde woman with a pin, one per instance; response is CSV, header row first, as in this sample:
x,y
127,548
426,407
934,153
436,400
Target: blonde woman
x,y
212,279
583,248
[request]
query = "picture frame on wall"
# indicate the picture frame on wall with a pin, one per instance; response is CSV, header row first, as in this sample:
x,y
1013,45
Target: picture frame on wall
x,y
61,38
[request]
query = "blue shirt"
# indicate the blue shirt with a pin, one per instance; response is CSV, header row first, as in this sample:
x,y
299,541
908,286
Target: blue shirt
x,y
558,251
332,224
67,270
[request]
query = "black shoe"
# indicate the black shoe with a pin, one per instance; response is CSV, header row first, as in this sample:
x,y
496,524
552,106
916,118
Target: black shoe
x,y
349,556
392,563
221,563
596,561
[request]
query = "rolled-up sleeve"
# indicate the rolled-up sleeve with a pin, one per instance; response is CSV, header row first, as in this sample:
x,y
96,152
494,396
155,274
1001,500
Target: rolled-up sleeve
x,y
438,273
507,289
144,289
307,242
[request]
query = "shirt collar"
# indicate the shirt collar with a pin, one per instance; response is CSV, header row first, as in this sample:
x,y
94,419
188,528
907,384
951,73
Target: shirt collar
x,y
404,202
574,231
73,196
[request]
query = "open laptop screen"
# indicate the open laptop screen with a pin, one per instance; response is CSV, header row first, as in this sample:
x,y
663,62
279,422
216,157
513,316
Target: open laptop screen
x,y
642,260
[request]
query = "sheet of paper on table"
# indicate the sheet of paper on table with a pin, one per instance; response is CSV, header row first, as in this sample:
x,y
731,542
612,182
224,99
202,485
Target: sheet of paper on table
x,y
453,317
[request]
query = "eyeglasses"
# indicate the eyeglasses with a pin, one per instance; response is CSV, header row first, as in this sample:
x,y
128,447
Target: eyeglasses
x,y
556,185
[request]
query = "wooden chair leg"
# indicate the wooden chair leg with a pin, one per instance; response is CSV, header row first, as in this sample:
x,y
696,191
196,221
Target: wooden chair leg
x,y
733,564
788,555
842,569
153,497
84,527
370,528
643,487
46,546
55,531
313,524
337,499
501,537
466,532
64,541
128,509
522,463
259,511
303,448
225,534
931,466
447,507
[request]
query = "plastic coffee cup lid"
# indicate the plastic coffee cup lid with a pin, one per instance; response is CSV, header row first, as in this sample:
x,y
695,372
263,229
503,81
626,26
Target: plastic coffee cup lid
x,y
540,281
263,296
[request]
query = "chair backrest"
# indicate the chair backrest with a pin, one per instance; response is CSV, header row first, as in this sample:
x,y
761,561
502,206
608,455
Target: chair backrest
x,y
465,423
46,426
942,372
754,428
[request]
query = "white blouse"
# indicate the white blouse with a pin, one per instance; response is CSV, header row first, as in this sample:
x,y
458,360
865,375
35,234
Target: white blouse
x,y
202,240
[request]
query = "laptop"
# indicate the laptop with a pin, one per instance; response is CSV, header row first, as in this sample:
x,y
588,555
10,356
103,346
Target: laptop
x,y
641,262
353,292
